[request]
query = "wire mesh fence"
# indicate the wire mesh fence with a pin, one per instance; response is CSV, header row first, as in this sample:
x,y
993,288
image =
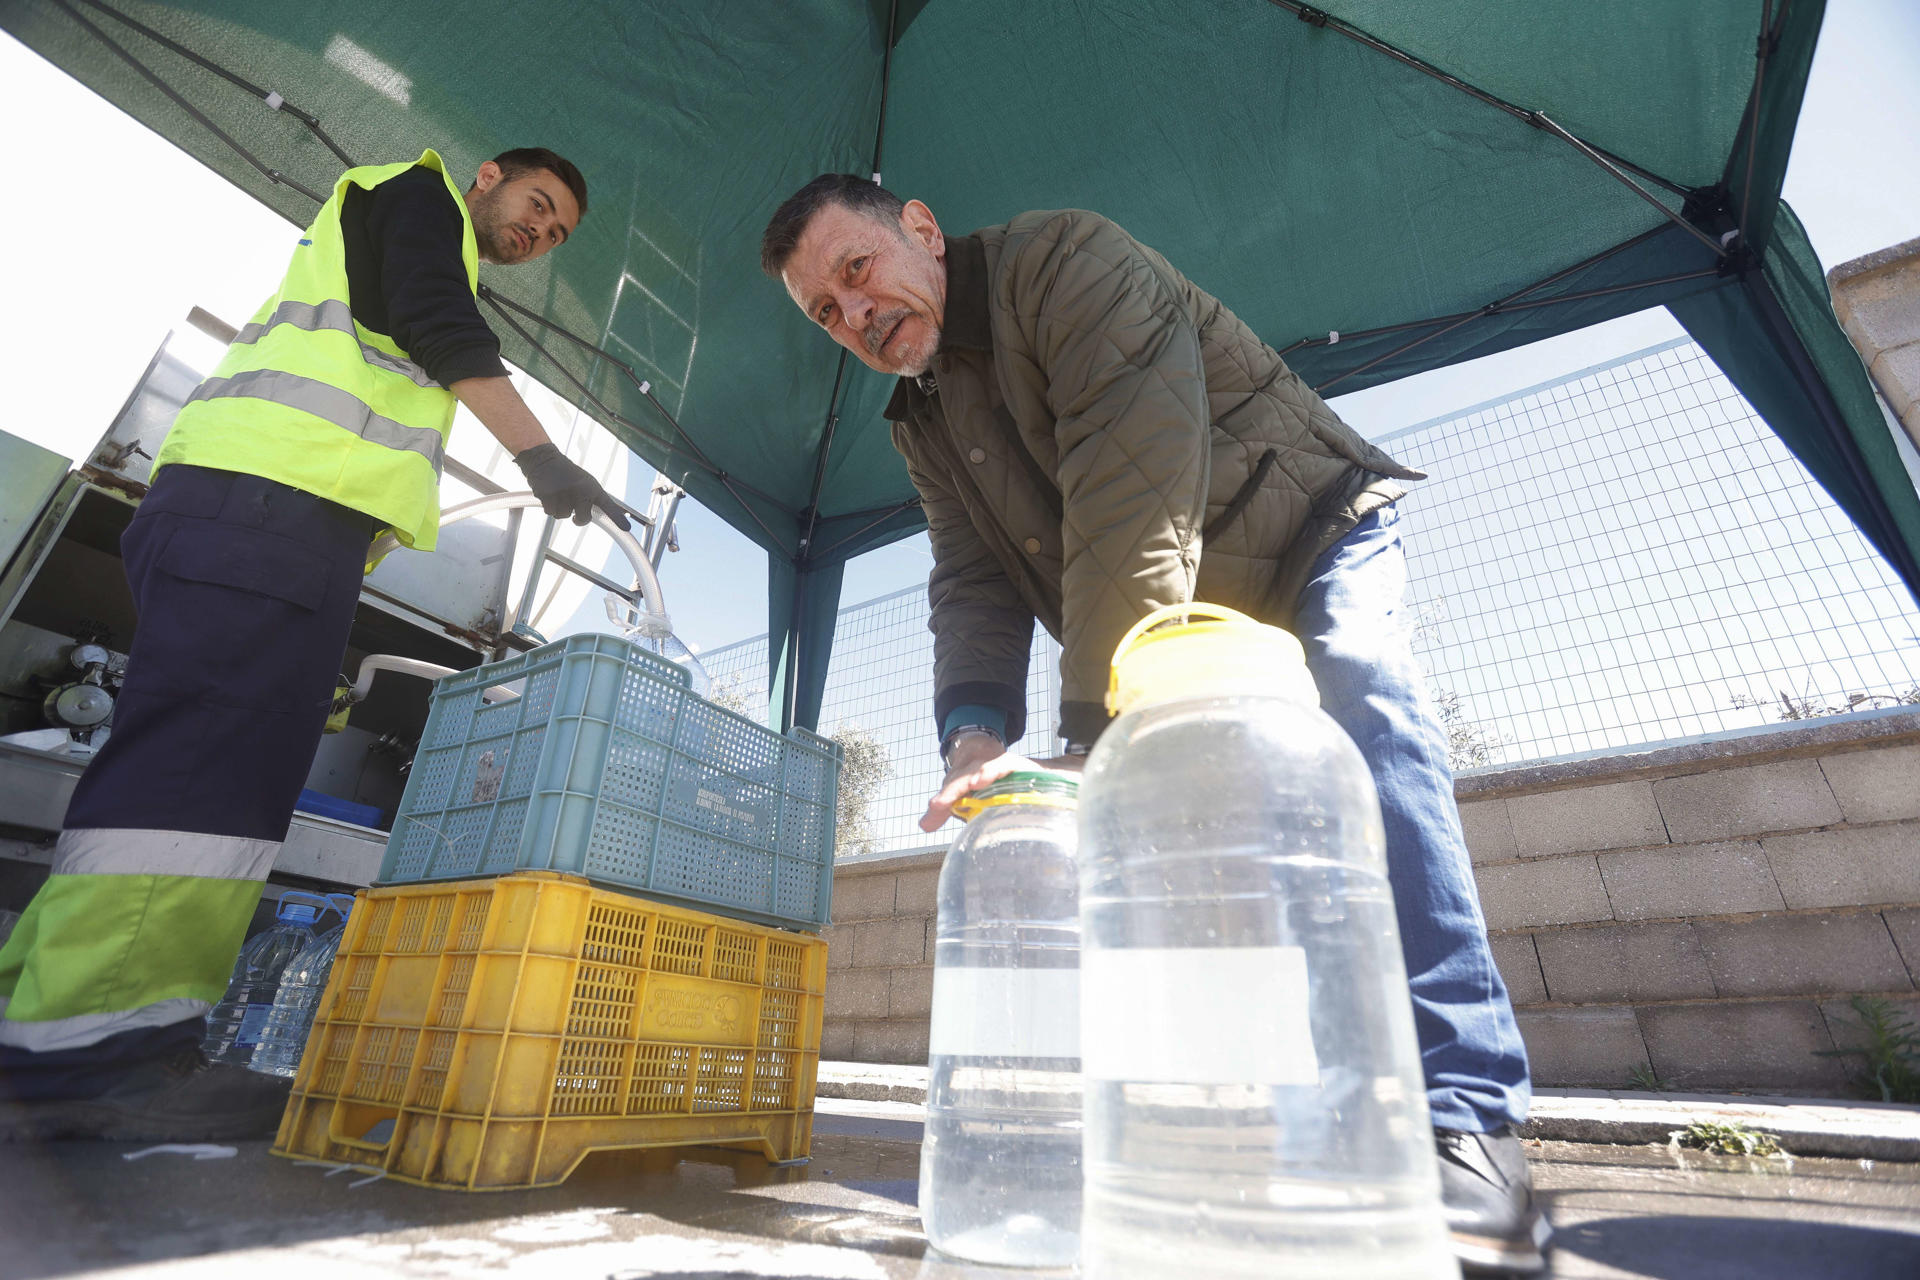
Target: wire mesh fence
x,y
1629,555
1623,556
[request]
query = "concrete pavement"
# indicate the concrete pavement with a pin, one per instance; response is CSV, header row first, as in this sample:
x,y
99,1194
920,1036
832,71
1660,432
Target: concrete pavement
x,y
82,1209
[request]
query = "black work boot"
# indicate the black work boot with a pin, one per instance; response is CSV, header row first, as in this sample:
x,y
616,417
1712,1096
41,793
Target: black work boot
x,y
179,1097
1488,1196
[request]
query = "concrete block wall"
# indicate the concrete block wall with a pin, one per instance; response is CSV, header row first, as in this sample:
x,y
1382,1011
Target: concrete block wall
x,y
880,960
1703,911
1877,301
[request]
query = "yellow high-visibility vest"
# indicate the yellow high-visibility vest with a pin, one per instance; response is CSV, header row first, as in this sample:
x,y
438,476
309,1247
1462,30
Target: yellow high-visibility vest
x,y
311,398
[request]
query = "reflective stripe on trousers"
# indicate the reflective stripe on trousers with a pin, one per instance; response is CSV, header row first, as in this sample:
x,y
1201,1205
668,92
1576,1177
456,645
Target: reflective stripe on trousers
x,y
333,314
330,404
98,954
132,851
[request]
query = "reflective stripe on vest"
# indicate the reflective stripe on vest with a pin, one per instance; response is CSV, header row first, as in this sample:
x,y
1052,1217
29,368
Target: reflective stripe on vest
x,y
134,851
335,314
328,403
91,1028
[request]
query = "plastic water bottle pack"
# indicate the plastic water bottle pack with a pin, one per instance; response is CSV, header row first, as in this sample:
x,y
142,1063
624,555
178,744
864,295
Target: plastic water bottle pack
x,y
1254,1101
1000,1162
235,1024
290,1018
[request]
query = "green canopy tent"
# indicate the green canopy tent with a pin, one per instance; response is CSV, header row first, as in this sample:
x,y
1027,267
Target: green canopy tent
x,y
1377,188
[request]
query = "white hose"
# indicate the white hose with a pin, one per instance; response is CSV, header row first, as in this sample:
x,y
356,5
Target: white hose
x,y
377,662
653,622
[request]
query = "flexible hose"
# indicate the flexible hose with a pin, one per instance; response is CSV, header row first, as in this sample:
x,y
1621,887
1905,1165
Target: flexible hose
x,y
654,622
378,662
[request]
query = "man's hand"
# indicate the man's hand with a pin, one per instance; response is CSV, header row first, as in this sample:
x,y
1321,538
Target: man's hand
x,y
564,487
978,761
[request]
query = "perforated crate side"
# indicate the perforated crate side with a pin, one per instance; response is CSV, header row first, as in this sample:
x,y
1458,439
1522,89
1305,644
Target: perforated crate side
x,y
512,1026
699,867
704,798
800,891
445,823
727,741
607,764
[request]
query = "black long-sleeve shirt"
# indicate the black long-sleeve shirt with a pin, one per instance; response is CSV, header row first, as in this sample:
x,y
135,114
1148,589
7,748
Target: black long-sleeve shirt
x,y
405,277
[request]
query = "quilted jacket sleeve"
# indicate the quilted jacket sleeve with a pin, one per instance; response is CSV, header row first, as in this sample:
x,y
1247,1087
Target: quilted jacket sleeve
x,y
1106,330
982,633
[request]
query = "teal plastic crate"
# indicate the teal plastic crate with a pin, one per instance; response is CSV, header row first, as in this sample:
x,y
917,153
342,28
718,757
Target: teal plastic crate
x,y
605,763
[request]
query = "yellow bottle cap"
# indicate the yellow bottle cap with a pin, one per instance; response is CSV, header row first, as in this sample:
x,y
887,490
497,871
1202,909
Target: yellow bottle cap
x,y
1029,786
1205,650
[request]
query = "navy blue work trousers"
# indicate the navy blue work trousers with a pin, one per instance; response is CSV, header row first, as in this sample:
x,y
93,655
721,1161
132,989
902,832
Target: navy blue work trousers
x,y
245,590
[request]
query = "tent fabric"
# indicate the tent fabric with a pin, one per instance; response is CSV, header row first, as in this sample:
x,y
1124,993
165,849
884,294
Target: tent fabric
x,y
1377,188
1774,336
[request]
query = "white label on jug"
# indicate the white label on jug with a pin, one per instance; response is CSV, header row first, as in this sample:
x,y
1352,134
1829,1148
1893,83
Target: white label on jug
x,y
1198,1015
1006,1013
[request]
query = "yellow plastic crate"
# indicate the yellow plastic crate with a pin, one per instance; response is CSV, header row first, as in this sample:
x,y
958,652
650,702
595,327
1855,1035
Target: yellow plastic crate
x,y
487,1034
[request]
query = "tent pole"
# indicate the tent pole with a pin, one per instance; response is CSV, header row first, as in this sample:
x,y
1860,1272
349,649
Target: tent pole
x,y
1542,283
790,687
151,77
1495,308
1760,53
1320,18
311,121
887,510
886,82
884,516
811,515
1594,155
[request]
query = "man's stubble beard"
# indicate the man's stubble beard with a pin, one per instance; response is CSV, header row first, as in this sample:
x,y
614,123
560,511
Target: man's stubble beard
x,y
489,228
917,363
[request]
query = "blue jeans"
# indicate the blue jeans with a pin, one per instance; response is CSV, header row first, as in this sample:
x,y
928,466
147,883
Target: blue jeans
x,y
1362,661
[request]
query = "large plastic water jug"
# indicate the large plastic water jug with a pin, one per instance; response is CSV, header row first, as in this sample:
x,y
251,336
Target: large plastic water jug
x,y
1000,1163
235,1024
1254,1100
302,982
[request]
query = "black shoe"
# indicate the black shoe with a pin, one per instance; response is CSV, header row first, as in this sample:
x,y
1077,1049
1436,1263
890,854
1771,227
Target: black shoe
x,y
1488,1196
177,1098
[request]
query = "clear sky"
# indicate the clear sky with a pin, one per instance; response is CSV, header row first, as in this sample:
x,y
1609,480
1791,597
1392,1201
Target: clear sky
x,y
134,233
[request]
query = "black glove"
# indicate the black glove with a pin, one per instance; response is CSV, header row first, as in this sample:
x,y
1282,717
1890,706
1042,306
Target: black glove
x,y
564,487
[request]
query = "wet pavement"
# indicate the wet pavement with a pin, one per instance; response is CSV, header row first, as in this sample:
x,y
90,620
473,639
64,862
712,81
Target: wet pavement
x,y
72,1209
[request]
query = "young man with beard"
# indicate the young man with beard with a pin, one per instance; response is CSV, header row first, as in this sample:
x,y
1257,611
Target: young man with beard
x,y
323,426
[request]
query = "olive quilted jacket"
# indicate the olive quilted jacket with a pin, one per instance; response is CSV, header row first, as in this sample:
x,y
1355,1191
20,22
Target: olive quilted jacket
x,y
1098,437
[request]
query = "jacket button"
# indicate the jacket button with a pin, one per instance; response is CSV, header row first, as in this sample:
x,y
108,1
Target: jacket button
x,y
1033,546
977,455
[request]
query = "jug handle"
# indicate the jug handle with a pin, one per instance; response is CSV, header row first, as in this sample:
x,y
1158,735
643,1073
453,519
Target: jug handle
x,y
1217,612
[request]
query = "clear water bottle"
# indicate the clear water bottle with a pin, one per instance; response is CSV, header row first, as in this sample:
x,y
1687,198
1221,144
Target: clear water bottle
x,y
1254,1101
284,1037
234,1026
1000,1164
